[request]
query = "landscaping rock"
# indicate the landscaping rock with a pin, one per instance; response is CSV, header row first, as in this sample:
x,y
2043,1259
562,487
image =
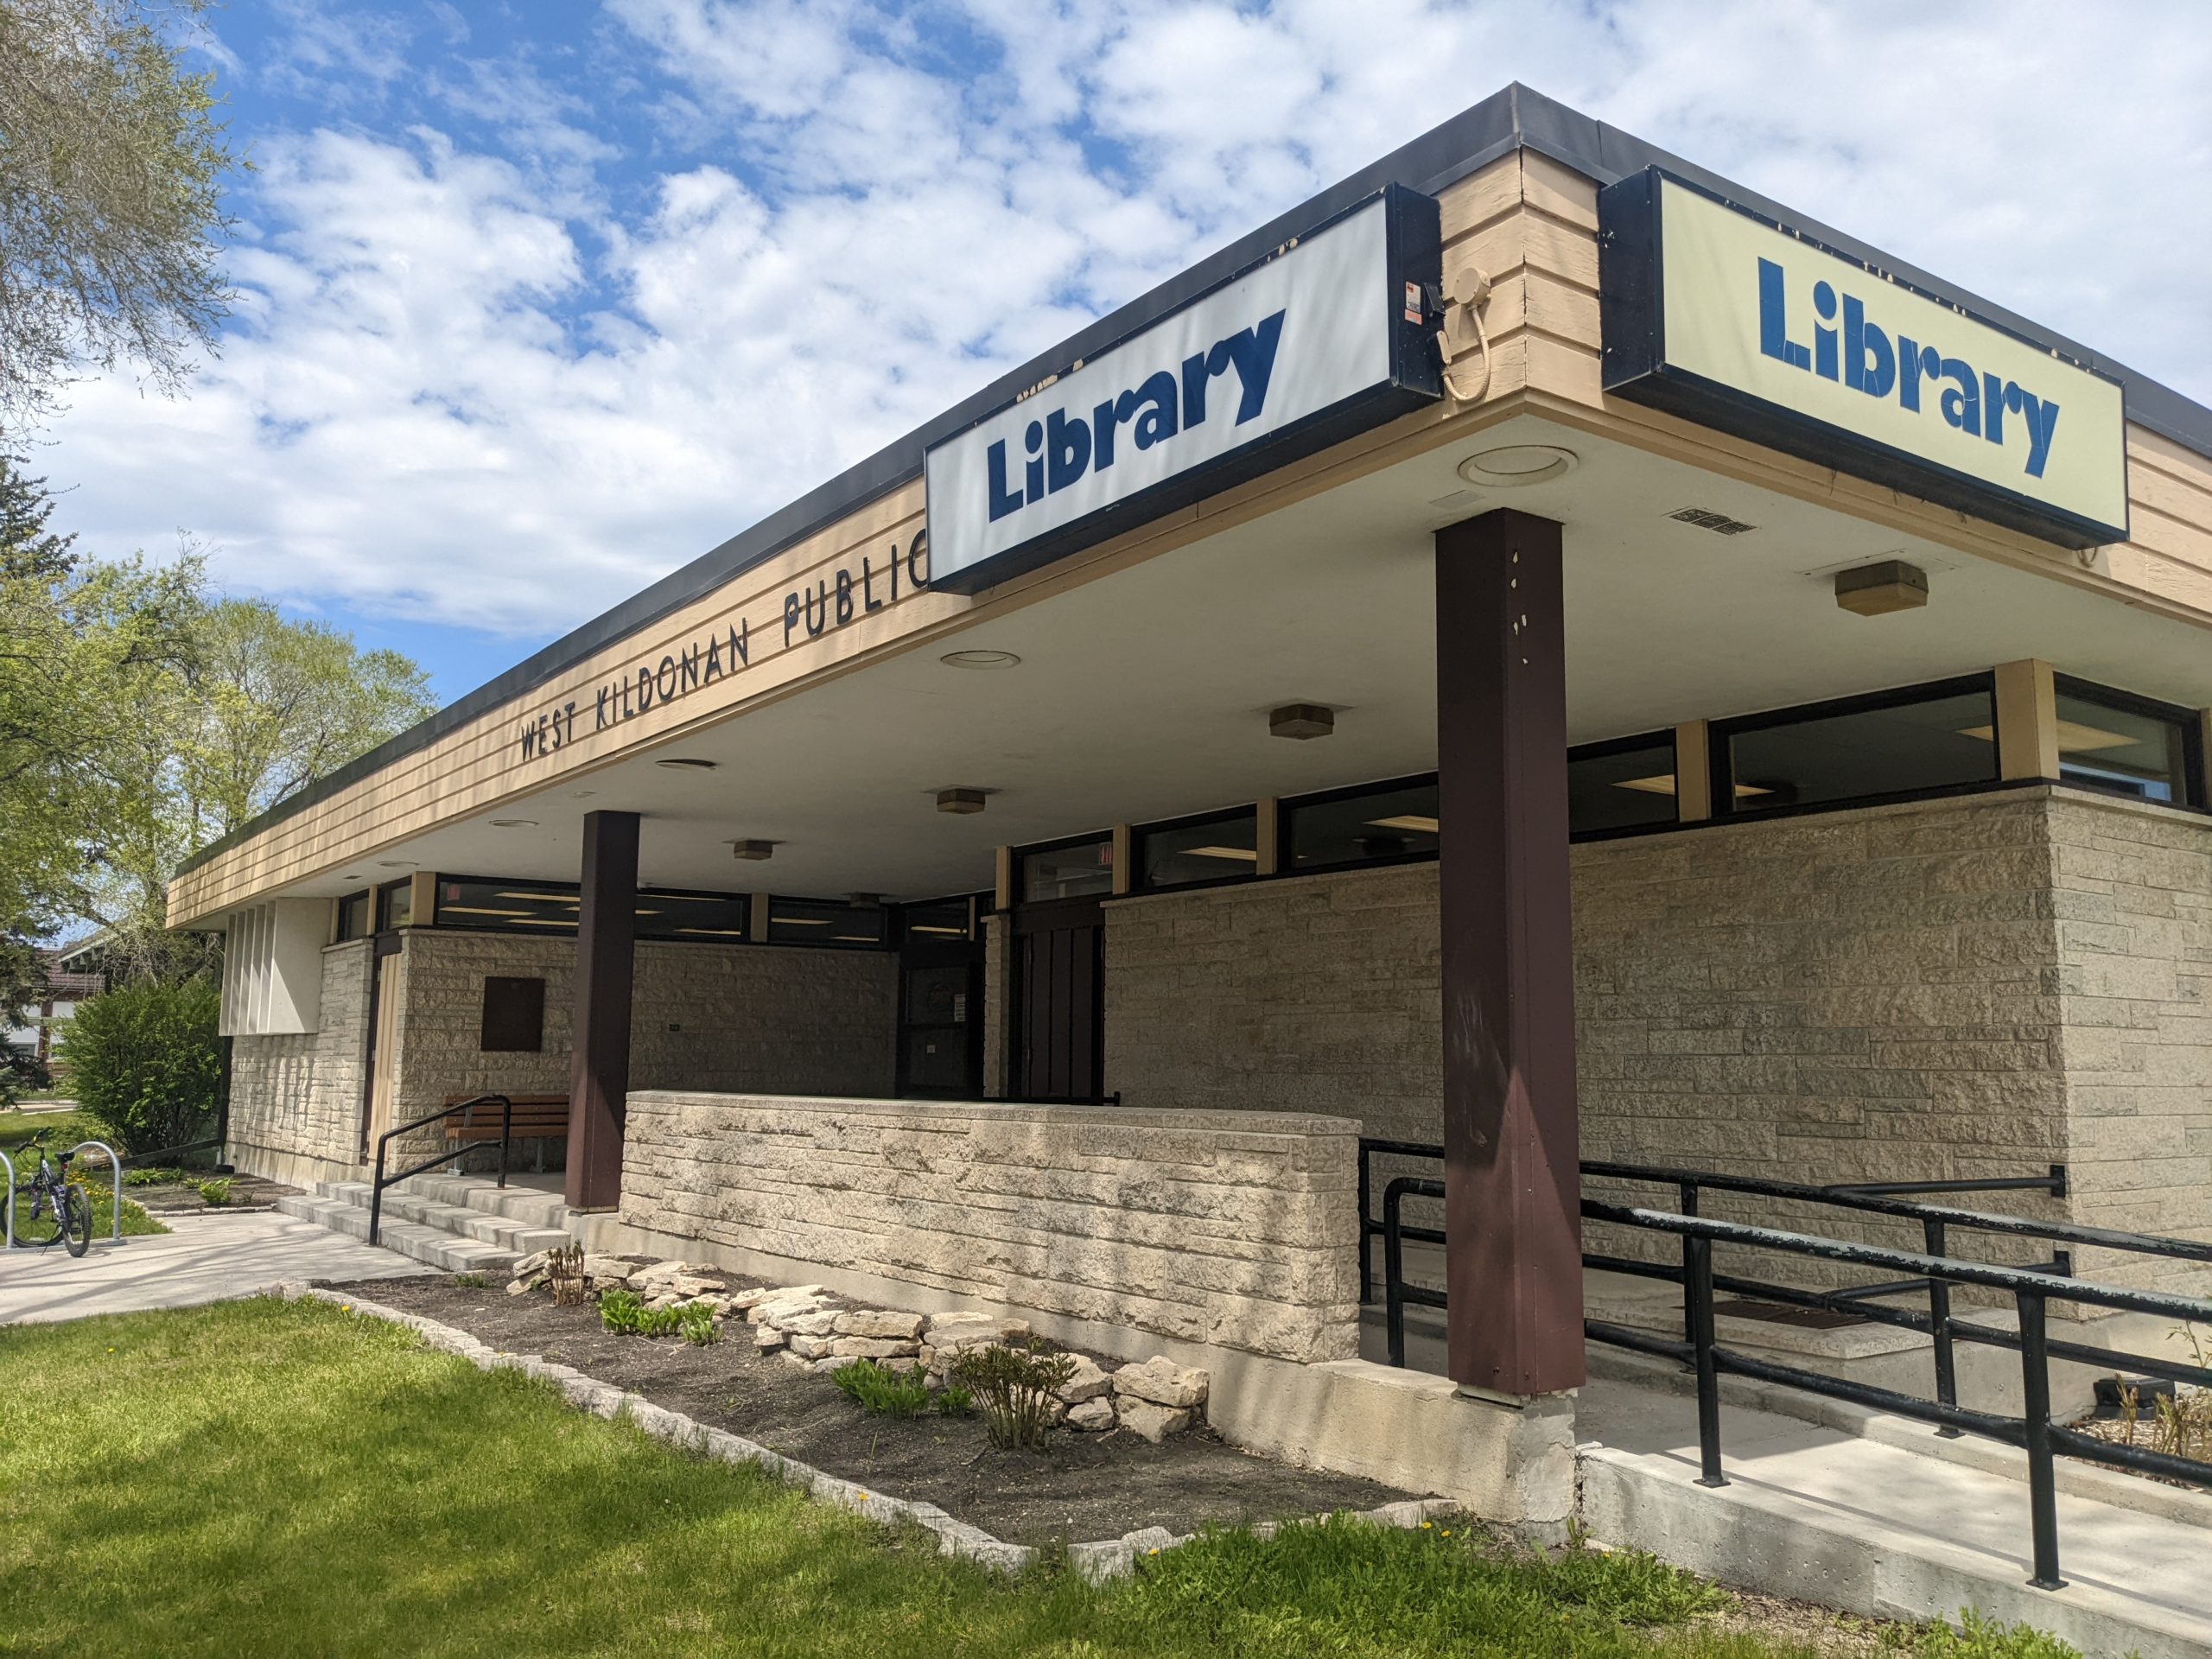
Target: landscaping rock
x,y
805,1347
873,1347
1163,1382
881,1322
518,1287
1154,1423
768,1339
532,1263
1089,1382
815,1322
1093,1415
607,1269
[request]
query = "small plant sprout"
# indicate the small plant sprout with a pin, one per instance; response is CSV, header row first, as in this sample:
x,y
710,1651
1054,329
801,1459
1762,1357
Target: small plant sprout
x,y
565,1268
882,1392
697,1322
215,1194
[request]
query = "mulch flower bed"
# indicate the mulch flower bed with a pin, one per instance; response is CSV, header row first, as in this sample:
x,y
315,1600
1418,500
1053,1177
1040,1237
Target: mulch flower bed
x,y
1082,1486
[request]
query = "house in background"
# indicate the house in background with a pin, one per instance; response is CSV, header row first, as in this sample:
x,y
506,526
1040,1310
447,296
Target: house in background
x,y
65,982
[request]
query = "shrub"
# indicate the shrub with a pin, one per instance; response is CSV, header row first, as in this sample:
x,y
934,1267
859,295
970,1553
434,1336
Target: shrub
x,y
147,1061
882,1392
1013,1386
215,1194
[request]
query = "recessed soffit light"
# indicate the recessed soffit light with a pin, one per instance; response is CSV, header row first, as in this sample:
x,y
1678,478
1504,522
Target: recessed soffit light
x,y
514,823
979,659
687,763
1516,465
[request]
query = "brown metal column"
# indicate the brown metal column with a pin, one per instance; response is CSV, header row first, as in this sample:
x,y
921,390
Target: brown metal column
x,y
599,1083
1513,1264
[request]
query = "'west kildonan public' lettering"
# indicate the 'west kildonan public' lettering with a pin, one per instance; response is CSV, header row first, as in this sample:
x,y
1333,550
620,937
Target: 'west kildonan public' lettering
x,y
808,612
1860,354
1061,449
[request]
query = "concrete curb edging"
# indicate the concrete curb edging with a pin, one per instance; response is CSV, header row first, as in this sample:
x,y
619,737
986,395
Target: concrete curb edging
x,y
1098,1562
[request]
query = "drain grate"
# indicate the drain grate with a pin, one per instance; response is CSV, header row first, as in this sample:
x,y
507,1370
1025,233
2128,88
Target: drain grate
x,y
1805,1318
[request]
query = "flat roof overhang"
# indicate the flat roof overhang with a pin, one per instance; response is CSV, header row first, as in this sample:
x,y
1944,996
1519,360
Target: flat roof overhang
x,y
1143,689
1513,119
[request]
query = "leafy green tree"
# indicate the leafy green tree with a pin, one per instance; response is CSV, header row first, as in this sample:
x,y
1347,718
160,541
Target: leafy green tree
x,y
278,704
146,1061
92,657
111,166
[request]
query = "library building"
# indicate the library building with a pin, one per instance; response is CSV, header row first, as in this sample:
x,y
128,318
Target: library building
x,y
1539,680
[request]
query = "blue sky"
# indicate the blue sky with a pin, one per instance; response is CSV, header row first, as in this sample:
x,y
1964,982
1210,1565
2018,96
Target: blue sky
x,y
539,302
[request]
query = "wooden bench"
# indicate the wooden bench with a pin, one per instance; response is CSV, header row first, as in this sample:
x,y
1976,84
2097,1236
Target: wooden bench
x,y
537,1117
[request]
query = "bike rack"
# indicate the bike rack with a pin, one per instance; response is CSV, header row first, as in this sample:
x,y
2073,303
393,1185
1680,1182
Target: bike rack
x,y
115,1167
11,1163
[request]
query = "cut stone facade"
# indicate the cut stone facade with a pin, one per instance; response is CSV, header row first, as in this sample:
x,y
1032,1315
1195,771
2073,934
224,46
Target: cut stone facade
x,y
1237,1229
704,1016
2133,904
296,1101
1975,986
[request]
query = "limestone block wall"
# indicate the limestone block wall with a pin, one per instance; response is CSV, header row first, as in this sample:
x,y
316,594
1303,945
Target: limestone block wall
x,y
1236,1229
1973,987
703,1016
2133,905
295,1101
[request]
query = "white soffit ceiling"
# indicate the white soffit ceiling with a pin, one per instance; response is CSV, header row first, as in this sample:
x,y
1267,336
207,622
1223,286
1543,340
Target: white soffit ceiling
x,y
1144,695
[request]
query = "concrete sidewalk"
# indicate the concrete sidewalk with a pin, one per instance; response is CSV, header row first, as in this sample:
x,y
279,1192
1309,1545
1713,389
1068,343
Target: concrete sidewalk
x,y
1827,1516
202,1259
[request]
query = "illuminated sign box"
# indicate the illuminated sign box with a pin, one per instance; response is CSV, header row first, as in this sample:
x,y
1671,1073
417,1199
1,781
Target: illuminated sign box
x,y
1330,333
1728,319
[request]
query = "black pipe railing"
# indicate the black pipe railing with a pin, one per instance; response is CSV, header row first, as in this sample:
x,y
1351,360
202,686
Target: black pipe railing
x,y
380,1180
1933,1270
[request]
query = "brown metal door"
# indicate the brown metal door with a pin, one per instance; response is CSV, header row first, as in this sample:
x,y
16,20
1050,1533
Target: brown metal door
x,y
1059,1001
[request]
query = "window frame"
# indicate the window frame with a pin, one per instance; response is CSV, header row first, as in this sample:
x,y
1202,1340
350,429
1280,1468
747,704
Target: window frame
x,y
346,903
1721,768
1286,851
2191,722
1139,833
1088,838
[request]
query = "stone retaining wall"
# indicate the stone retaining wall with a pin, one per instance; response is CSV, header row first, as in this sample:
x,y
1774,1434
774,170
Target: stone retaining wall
x,y
1237,1229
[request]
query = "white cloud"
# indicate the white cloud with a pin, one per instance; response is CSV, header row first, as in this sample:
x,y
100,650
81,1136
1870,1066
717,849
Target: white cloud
x,y
505,390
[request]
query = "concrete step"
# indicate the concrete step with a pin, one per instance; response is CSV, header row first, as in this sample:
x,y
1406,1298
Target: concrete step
x,y
456,1224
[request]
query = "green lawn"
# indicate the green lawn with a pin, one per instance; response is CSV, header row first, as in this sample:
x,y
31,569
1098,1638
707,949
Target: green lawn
x,y
264,1478
59,1130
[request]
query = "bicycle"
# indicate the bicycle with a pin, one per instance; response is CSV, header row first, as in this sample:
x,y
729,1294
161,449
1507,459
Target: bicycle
x,y
72,1208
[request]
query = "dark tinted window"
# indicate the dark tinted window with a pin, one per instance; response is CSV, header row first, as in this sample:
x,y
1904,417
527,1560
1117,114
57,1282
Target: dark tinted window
x,y
940,919
822,921
705,918
506,906
1621,786
2109,742
397,902
356,915
1075,871
1890,747
1396,821
1218,849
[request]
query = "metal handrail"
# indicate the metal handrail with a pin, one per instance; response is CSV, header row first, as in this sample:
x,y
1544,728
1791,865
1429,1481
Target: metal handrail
x,y
10,1164
380,1180
2030,1288
161,1155
115,1165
